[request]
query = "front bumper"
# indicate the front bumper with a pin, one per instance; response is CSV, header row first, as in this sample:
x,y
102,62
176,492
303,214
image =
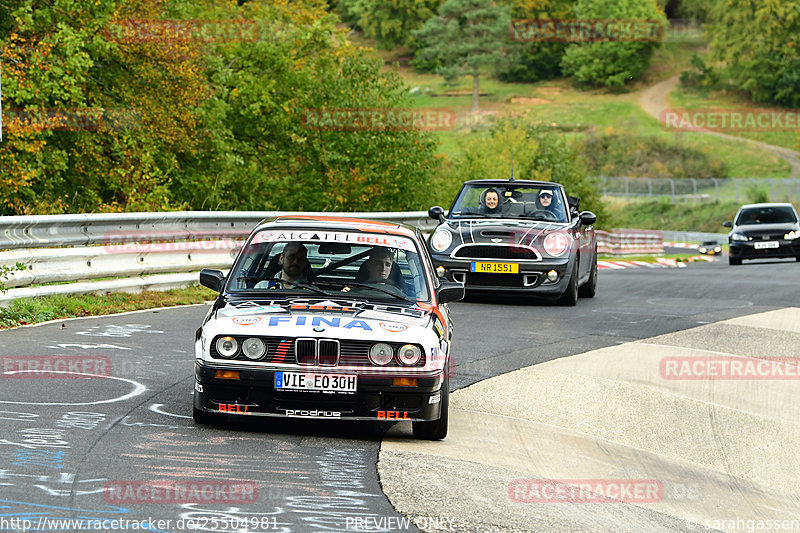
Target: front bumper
x,y
532,277
747,249
254,394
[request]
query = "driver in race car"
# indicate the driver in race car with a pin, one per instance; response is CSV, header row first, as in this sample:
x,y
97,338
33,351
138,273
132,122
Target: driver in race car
x,y
379,264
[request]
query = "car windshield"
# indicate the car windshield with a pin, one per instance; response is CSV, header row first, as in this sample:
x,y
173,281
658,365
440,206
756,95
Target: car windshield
x,y
330,263
510,201
766,215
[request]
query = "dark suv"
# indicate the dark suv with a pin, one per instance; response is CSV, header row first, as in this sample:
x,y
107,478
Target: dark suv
x,y
762,231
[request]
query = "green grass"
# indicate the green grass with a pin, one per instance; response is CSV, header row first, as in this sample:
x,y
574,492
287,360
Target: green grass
x,y
576,111
705,217
41,309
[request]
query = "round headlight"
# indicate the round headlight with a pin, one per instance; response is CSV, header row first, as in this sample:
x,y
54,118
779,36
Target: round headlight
x,y
227,346
409,354
381,354
441,240
556,244
254,348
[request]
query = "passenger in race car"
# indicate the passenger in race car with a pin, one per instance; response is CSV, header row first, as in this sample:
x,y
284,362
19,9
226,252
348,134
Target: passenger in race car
x,y
490,202
294,267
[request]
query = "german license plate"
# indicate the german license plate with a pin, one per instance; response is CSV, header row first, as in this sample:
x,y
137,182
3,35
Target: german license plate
x,y
305,381
495,268
767,244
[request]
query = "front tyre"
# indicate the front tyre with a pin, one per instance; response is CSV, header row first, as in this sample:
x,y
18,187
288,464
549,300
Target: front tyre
x,y
589,289
570,296
435,429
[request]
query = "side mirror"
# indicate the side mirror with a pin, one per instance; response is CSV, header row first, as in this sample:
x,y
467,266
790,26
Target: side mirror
x,y
449,291
436,213
728,224
213,279
588,218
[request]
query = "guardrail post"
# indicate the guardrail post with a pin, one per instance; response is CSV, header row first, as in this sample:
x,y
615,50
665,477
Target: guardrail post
x,y
672,188
649,188
716,188
627,193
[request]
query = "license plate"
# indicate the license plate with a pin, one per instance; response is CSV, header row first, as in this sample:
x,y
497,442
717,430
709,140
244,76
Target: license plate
x,y
495,268
315,382
767,244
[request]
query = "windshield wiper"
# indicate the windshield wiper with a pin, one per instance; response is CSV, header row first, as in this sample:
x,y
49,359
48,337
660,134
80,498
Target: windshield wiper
x,y
301,284
367,286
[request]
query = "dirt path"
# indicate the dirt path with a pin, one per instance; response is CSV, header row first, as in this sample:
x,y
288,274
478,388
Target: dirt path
x,y
654,100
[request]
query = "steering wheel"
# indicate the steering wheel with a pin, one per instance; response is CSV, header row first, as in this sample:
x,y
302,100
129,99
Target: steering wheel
x,y
545,214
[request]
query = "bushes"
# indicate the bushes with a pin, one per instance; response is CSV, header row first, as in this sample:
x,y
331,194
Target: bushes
x,y
610,64
628,154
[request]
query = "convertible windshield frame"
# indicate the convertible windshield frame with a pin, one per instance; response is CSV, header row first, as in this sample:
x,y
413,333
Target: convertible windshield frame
x,y
518,201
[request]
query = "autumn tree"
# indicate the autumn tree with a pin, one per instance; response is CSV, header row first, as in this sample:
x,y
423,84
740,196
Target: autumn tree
x,y
466,37
391,22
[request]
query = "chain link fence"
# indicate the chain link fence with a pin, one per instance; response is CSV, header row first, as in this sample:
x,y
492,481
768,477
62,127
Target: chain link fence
x,y
740,190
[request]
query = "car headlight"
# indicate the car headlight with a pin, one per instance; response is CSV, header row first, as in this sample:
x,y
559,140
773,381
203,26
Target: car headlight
x,y
792,235
227,347
555,244
718,249
254,348
702,250
441,240
738,237
409,354
381,354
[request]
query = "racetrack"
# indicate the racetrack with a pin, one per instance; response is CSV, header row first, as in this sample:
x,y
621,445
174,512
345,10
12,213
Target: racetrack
x,y
66,440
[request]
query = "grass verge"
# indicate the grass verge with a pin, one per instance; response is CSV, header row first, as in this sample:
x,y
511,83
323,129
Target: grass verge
x,y
35,310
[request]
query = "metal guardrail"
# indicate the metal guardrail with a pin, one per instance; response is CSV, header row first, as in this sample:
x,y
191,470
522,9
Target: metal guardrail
x,y
70,254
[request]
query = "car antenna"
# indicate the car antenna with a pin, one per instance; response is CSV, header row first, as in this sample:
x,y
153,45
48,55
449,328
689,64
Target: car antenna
x,y
512,166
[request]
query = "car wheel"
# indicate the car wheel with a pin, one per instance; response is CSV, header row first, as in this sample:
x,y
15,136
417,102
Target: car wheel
x,y
734,261
589,289
570,296
201,417
435,429
797,258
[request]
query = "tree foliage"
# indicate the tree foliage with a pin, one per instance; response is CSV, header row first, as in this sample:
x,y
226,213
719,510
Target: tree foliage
x,y
392,21
611,63
758,42
466,36
204,108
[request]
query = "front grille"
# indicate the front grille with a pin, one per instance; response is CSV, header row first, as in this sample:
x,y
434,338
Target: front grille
x,y
495,280
331,352
305,351
486,251
328,352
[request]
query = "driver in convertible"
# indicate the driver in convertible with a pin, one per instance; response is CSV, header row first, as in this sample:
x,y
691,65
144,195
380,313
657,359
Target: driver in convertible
x,y
544,202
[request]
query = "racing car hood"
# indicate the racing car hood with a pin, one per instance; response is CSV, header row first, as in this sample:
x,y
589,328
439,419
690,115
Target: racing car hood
x,y
338,319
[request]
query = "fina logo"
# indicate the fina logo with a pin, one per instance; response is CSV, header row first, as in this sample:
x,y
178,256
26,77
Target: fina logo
x,y
393,328
246,320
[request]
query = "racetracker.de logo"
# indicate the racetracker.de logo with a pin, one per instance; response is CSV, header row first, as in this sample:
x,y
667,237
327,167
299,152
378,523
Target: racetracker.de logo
x,y
585,30
730,120
343,119
586,491
720,367
139,242
180,492
207,31
80,119
55,366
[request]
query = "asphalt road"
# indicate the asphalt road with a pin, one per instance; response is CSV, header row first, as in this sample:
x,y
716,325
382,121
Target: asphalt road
x,y
73,448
